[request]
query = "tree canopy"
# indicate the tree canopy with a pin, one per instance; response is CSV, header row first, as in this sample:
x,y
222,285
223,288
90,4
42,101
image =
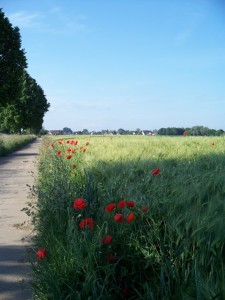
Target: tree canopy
x,y
28,111
12,62
22,101
195,130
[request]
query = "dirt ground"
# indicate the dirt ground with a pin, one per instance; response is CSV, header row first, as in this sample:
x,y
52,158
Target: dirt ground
x,y
17,173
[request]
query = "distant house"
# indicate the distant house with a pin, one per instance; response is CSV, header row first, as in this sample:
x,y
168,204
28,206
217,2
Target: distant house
x,y
55,132
147,132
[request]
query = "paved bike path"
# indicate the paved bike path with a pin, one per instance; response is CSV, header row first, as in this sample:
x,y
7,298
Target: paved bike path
x,y
16,175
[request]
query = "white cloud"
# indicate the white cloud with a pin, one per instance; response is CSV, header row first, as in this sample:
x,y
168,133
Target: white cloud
x,y
26,20
71,26
53,22
67,24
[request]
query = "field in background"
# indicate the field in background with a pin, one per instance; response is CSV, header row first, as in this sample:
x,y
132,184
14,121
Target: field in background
x,y
163,236
12,142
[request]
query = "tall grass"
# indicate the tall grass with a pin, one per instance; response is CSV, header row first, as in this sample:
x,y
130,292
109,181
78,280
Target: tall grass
x,y
12,142
174,247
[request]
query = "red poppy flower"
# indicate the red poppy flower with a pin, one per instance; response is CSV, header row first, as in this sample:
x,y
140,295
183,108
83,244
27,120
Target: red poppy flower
x,y
130,204
41,253
122,204
84,150
88,222
185,132
79,203
87,143
67,142
60,142
106,240
73,150
69,150
69,156
156,171
145,209
110,207
59,153
130,217
52,145
74,166
118,218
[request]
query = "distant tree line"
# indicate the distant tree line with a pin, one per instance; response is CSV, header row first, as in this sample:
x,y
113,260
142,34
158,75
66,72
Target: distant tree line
x,y
171,131
22,101
120,131
195,130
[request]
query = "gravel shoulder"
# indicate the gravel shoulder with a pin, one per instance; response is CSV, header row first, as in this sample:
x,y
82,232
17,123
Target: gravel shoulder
x,y
17,173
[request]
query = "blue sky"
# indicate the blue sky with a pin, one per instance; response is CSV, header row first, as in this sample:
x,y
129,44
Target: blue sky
x,y
127,64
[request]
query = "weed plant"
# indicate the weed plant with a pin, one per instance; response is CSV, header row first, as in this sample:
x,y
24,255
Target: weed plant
x,y
12,142
131,218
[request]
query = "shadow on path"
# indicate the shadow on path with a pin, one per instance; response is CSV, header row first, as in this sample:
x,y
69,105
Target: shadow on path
x,y
16,175
13,261
28,150
23,154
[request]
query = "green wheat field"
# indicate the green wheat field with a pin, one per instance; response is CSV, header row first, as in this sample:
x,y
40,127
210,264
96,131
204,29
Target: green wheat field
x,y
129,217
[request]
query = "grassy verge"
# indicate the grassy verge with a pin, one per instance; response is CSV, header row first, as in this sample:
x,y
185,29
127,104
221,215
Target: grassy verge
x,y
131,218
10,143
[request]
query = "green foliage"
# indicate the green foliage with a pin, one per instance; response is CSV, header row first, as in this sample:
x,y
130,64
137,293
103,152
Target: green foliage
x,y
195,130
10,143
173,249
85,131
33,104
12,62
28,111
67,130
121,131
171,131
22,101
205,131
11,118
43,131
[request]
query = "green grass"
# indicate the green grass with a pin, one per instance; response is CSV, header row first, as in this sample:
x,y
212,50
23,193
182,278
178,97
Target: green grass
x,y
175,250
12,142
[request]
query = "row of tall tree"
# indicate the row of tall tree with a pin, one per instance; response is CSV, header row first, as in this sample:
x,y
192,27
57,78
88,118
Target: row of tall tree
x,y
23,103
195,130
